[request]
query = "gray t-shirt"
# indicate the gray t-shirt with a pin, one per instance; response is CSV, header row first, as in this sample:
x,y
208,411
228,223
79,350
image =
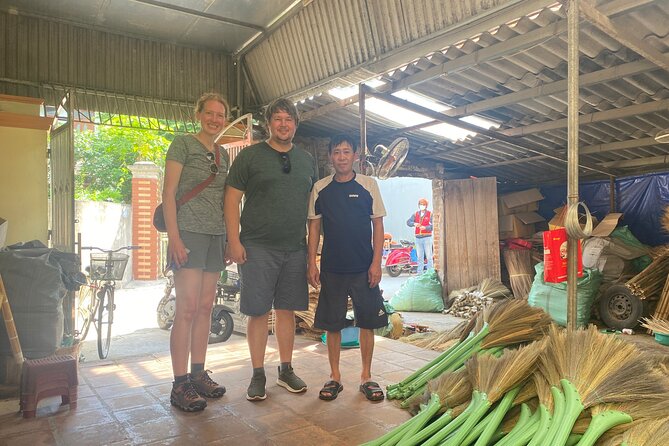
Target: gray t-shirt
x,y
275,209
204,212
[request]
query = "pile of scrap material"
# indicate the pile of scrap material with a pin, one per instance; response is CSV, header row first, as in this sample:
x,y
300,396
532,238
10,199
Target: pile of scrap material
x,y
468,302
305,319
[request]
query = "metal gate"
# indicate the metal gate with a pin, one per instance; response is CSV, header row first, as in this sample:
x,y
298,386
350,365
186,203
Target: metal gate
x,y
62,178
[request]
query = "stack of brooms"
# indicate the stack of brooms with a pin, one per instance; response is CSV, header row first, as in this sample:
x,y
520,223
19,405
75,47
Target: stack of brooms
x,y
569,388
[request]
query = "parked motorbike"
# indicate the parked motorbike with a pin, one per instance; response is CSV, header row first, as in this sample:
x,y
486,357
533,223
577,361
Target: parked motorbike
x,y
402,258
221,316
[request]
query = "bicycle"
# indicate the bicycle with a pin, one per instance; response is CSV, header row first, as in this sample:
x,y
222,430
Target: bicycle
x,y
96,298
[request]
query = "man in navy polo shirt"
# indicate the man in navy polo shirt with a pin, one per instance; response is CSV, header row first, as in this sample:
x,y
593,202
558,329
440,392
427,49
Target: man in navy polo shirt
x,y
351,210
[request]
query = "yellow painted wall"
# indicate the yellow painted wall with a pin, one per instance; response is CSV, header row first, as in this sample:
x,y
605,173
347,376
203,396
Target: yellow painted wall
x,y
23,178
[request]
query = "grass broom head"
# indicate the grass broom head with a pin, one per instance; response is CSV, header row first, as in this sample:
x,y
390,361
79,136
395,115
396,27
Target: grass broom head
x,y
527,393
650,433
514,321
494,289
496,376
605,369
553,355
453,388
424,339
542,388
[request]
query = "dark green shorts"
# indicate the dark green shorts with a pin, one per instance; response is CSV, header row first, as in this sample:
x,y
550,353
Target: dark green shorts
x,y
206,251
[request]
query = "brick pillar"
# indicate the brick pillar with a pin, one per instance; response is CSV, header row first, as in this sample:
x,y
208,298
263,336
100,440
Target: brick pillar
x,y
146,190
438,231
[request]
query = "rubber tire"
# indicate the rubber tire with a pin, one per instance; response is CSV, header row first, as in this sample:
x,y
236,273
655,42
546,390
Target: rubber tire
x,y
224,324
105,321
163,313
394,270
620,308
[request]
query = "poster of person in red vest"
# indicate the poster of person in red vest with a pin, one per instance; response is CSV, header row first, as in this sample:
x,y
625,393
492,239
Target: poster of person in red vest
x,y
421,220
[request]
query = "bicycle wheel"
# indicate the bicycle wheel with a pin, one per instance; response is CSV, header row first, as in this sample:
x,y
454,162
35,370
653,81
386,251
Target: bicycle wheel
x,y
86,310
105,320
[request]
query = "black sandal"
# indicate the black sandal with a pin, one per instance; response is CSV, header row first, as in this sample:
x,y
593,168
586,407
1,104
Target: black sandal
x,y
372,391
330,391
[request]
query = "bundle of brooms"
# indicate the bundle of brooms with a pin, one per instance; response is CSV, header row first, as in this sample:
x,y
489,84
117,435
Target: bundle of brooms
x,y
502,324
605,382
521,274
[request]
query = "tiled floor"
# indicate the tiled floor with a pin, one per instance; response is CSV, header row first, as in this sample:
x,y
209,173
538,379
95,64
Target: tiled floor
x,y
127,402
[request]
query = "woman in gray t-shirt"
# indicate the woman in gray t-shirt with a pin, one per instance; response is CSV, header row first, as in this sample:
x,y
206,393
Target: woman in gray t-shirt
x,y
196,248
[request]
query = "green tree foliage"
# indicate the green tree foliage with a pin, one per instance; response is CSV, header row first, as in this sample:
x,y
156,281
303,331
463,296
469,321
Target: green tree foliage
x,y
102,157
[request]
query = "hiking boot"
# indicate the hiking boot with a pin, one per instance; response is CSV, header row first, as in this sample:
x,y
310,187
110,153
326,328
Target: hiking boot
x,y
206,386
256,390
185,397
290,381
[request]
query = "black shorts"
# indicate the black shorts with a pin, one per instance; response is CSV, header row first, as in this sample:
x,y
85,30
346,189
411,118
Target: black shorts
x,y
370,312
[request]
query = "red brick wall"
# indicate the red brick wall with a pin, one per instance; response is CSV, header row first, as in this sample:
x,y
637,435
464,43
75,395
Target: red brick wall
x,y
145,198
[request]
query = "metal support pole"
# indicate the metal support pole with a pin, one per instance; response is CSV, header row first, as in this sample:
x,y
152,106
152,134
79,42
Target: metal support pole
x,y
612,194
572,152
363,129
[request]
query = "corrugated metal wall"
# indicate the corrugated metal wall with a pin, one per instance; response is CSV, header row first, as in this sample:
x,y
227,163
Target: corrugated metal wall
x,y
35,53
330,38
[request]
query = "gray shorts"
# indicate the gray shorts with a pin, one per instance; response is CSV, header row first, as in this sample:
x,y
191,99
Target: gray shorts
x,y
206,251
273,278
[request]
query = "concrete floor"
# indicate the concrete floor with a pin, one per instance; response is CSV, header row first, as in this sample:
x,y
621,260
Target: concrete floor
x,y
124,400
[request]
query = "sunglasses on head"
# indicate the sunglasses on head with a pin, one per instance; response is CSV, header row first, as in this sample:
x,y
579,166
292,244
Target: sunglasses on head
x,y
213,168
286,162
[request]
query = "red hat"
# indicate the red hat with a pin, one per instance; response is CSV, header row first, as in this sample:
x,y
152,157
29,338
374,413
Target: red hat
x,y
422,201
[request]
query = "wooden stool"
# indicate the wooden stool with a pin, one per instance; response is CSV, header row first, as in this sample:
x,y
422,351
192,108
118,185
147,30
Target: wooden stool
x,y
45,377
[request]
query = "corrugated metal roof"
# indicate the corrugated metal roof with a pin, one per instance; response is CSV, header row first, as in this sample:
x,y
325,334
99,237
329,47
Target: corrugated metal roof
x,y
330,43
516,76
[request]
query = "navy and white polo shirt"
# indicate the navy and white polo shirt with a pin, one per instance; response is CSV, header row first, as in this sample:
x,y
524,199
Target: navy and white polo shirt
x,y
346,210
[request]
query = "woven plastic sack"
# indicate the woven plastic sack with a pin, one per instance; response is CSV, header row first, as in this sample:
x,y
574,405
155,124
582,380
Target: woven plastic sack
x,y
552,297
625,235
420,293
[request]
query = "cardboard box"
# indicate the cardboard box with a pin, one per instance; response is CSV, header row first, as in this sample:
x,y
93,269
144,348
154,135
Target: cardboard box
x,y
518,225
529,207
3,232
605,227
520,202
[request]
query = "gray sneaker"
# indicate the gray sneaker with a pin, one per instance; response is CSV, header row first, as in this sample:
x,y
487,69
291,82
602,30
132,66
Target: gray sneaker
x,y
256,390
290,381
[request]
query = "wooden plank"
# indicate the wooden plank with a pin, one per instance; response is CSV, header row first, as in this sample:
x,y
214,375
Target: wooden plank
x,y
470,232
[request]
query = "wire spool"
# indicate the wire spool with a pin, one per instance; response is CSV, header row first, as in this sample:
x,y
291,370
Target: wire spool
x,y
571,221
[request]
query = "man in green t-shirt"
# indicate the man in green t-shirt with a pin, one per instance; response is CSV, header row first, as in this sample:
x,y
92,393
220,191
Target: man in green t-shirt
x,y
275,178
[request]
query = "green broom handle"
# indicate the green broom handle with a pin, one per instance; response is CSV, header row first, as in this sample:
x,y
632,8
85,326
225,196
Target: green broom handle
x,y
558,412
601,423
500,411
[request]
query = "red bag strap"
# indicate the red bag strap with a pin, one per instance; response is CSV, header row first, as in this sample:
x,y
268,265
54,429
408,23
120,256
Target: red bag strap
x,y
202,186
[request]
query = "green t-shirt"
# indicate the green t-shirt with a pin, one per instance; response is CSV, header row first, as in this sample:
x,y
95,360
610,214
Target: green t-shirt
x,y
204,212
275,206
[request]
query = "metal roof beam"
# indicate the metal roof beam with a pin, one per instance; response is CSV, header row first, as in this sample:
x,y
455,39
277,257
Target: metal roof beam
x,y
640,162
616,113
201,14
596,77
472,128
498,50
597,148
602,22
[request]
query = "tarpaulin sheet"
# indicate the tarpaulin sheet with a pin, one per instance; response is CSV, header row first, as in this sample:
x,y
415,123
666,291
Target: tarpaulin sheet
x,y
642,199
